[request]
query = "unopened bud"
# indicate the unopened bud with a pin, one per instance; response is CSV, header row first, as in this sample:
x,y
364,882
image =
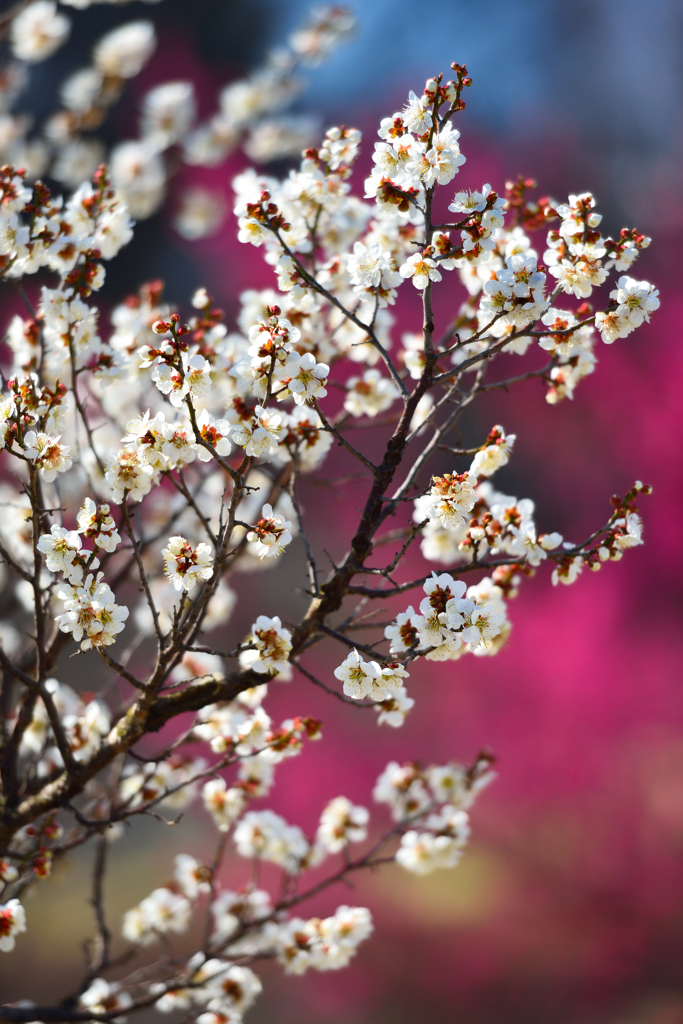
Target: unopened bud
x,y
160,327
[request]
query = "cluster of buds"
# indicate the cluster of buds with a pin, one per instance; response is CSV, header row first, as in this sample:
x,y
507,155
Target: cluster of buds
x,y
176,329
207,325
39,840
625,250
29,406
87,276
291,735
262,215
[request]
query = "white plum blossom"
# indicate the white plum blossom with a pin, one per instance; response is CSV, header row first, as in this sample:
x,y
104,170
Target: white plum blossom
x,y
341,935
358,676
192,381
271,534
163,912
394,708
185,565
421,269
231,988
470,202
494,455
581,277
522,275
613,326
86,730
171,783
369,265
90,613
370,394
305,439
452,498
535,548
12,923
567,571
441,847
129,476
576,215
268,836
341,823
60,547
402,632
480,616
123,52
230,908
323,945
635,300
192,876
139,176
303,378
416,114
628,532
38,31
225,804
260,435
47,453
167,112
96,524
441,162
81,89
439,624
105,997
201,213
271,643
403,789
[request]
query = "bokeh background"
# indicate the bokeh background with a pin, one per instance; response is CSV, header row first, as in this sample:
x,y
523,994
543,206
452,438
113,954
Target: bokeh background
x,y
568,906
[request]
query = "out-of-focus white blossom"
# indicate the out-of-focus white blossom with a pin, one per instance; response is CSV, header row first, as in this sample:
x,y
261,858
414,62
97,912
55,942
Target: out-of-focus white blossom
x,y
266,835
342,823
38,31
12,923
163,912
123,52
224,804
271,647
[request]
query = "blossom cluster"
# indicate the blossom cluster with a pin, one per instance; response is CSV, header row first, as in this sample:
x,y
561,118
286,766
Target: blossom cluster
x,y
250,113
436,800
